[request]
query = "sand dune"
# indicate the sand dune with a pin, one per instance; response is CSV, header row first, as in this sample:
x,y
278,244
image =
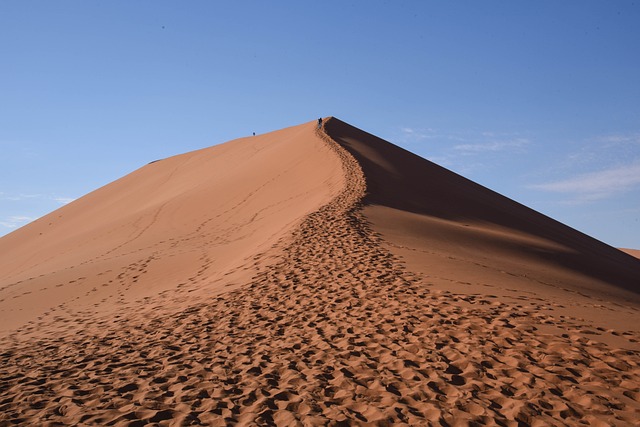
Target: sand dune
x,y
191,220
465,237
313,277
632,252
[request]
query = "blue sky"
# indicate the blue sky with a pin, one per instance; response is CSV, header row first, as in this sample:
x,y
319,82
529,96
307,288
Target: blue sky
x,y
537,100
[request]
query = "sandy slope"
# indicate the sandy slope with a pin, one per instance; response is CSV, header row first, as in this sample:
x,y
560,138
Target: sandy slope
x,y
633,252
197,220
334,329
466,238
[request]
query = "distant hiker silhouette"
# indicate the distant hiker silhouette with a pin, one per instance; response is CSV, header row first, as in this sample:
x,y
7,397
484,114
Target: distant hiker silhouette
x,y
319,123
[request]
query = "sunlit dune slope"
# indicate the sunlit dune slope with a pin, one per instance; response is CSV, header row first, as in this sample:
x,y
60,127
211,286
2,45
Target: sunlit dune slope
x,y
196,217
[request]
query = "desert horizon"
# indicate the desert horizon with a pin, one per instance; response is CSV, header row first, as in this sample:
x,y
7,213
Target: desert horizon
x,y
314,275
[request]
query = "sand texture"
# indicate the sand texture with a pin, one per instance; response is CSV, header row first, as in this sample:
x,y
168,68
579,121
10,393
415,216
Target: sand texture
x,y
317,284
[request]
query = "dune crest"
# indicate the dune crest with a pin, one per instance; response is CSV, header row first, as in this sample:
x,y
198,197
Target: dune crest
x,y
334,329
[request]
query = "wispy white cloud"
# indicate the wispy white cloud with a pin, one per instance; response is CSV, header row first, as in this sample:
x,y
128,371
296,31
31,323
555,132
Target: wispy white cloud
x,y
601,152
596,185
617,139
63,200
16,221
492,146
19,197
408,134
25,197
465,141
467,152
18,209
416,133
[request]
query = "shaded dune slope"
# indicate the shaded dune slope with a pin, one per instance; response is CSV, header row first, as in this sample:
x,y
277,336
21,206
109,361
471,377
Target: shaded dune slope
x,y
453,214
333,331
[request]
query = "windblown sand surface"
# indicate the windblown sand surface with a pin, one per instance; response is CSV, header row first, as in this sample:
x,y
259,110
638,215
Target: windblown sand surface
x,y
313,277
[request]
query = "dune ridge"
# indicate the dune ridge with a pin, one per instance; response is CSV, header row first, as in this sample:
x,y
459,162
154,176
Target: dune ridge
x,y
335,331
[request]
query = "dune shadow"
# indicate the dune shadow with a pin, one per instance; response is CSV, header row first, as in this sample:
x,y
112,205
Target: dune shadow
x,y
401,180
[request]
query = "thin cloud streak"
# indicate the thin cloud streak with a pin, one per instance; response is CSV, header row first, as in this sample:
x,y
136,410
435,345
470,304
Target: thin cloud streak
x,y
16,221
46,197
408,134
454,149
64,200
19,197
24,207
416,134
467,141
492,146
617,139
596,185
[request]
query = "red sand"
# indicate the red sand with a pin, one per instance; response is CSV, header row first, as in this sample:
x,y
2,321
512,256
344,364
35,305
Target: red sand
x,y
313,277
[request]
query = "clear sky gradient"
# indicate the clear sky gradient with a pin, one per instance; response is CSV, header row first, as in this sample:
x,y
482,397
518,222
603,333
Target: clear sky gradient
x,y
538,100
